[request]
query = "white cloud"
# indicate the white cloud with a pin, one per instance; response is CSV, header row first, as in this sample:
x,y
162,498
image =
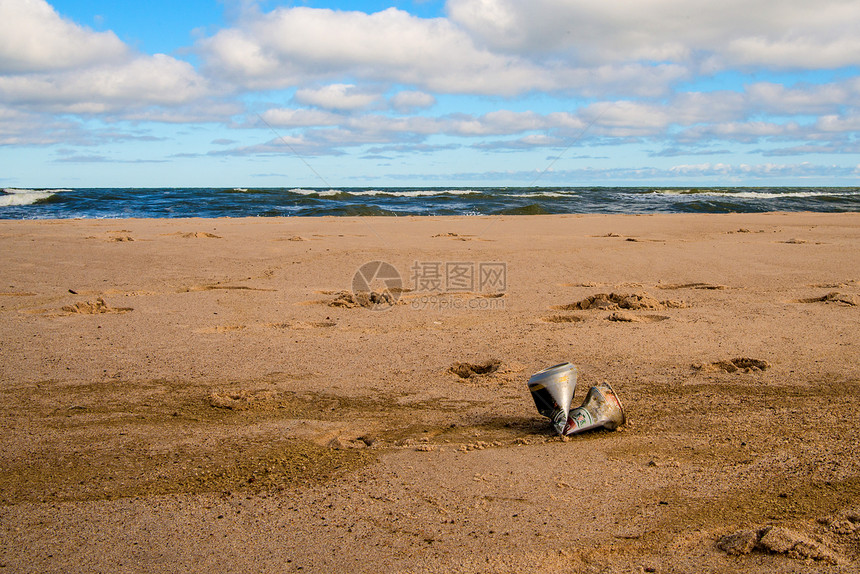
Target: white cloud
x,y
20,128
336,97
797,51
765,170
691,108
788,34
501,122
839,123
744,132
410,100
48,63
292,46
629,119
284,117
689,119
194,112
508,47
145,80
810,99
34,38
362,79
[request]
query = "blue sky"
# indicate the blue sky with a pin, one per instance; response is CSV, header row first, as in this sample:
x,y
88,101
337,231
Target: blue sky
x,y
458,92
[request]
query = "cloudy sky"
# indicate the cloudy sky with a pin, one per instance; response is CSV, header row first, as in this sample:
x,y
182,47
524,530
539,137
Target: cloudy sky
x,y
425,92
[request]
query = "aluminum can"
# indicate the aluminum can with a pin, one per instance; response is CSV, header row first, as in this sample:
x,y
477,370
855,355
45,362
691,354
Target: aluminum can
x,y
552,389
601,409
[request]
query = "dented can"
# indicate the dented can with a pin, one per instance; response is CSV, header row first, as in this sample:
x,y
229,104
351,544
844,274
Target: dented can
x,y
552,389
601,409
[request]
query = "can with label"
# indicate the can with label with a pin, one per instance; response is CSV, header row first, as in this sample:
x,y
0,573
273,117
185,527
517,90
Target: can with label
x,y
601,409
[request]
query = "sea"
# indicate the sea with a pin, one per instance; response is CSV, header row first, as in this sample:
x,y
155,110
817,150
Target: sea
x,y
106,203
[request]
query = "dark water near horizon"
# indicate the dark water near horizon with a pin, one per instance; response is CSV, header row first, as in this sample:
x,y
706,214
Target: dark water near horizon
x,y
396,201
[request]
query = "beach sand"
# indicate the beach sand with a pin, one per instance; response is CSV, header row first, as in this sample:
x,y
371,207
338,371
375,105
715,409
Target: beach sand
x,y
208,395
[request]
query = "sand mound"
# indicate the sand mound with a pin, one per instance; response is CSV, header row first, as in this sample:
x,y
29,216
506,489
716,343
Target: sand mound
x,y
615,301
368,300
777,540
94,308
243,400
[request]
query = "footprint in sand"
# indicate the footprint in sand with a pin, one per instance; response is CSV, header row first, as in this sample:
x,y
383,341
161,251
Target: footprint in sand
x,y
469,370
303,325
192,235
622,317
455,236
583,284
562,319
216,287
631,239
120,235
220,329
196,235
736,365
707,286
834,285
832,297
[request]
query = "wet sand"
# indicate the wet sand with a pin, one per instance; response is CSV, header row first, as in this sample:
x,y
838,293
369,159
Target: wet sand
x,y
215,395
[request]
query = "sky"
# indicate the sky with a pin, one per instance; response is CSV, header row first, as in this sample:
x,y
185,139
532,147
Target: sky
x,y
269,93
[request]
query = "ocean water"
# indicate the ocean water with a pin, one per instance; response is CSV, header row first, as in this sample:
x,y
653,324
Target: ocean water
x,y
276,202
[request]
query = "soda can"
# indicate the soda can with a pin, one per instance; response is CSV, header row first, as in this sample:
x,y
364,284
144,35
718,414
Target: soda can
x,y
601,409
552,389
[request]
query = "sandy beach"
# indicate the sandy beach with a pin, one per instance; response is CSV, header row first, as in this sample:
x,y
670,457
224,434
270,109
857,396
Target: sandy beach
x,y
205,395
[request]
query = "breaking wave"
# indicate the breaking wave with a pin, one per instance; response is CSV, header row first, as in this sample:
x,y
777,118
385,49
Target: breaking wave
x,y
12,196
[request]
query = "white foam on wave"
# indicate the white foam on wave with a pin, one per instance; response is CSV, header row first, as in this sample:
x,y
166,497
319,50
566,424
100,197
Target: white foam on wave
x,y
386,192
411,192
327,193
545,194
431,192
771,195
12,196
756,194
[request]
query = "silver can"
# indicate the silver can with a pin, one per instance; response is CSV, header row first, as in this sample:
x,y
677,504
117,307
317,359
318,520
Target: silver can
x,y
601,409
552,389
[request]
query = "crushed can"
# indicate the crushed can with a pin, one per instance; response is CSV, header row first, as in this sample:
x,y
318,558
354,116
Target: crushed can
x,y
601,409
552,389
